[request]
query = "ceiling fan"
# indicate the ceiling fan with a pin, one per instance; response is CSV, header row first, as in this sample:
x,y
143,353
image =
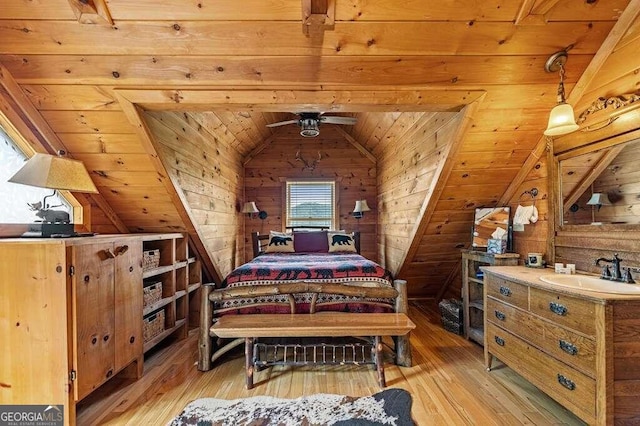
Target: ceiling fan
x,y
309,122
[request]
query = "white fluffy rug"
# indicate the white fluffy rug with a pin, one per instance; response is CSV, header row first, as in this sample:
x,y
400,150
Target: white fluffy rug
x,y
389,407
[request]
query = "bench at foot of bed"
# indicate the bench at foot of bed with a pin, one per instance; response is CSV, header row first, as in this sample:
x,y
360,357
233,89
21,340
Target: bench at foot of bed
x,y
331,324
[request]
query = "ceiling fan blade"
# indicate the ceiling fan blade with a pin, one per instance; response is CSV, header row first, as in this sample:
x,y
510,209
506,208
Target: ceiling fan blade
x,y
338,120
282,123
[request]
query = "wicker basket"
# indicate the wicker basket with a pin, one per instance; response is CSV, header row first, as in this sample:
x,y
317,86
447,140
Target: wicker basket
x,y
150,259
152,325
151,294
451,311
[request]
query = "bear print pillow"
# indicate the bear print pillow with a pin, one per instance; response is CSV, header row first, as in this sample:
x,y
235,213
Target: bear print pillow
x,y
341,241
280,242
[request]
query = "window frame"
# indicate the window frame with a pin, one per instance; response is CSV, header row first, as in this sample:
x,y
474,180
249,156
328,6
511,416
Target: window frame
x,y
335,221
15,229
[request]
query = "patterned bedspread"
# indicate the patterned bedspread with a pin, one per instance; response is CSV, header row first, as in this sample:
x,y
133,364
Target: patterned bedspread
x,y
275,268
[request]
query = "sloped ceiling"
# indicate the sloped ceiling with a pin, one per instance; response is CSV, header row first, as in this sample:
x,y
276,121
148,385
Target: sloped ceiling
x,y
243,64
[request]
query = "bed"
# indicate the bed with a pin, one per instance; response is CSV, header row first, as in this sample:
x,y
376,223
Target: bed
x,y
315,272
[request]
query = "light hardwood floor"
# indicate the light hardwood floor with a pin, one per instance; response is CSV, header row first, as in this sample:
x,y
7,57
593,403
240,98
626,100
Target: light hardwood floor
x,y
448,383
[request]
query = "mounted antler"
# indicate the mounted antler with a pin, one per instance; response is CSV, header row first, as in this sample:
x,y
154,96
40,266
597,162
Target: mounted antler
x,y
308,166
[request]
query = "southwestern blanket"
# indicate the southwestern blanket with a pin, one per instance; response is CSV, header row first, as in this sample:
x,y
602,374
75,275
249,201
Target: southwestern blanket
x,y
389,407
275,268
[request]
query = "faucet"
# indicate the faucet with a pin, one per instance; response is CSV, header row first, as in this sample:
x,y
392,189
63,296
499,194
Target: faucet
x,y
616,275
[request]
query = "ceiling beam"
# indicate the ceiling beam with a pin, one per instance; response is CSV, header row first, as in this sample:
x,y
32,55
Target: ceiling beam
x,y
318,16
304,100
91,11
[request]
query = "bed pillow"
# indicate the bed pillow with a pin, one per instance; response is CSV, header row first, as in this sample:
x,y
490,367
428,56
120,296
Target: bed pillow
x,y
280,242
341,241
310,241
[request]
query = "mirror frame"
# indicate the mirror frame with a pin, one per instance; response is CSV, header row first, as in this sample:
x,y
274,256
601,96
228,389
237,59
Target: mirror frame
x,y
605,123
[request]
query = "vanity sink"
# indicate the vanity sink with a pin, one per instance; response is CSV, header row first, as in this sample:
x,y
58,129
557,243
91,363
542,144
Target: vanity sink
x,y
589,283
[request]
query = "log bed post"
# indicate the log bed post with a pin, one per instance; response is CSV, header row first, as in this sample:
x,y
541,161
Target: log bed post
x,y
205,341
403,346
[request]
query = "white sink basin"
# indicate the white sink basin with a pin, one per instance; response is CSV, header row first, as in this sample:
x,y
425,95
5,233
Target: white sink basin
x,y
589,283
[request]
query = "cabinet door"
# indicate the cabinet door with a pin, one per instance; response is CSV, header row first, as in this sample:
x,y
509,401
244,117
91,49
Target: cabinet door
x,y
128,302
93,315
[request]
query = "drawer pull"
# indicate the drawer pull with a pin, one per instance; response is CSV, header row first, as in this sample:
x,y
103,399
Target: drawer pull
x,y
567,383
569,348
501,316
505,291
499,340
558,309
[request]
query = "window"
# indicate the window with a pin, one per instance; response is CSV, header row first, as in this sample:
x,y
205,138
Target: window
x,y
311,203
15,198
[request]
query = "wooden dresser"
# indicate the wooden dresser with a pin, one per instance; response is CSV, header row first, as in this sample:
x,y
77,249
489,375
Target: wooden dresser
x,y
581,348
71,314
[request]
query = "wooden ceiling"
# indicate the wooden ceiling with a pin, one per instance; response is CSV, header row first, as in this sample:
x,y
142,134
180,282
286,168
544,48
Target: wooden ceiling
x,y
76,72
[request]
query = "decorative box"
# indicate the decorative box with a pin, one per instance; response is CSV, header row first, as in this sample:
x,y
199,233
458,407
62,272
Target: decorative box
x,y
151,294
496,246
150,259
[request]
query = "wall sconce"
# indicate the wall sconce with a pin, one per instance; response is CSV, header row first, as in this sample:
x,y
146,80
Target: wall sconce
x,y
250,208
360,208
599,199
562,119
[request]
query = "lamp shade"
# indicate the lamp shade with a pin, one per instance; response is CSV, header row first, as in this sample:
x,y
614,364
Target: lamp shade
x,y
561,120
361,206
599,199
250,207
54,172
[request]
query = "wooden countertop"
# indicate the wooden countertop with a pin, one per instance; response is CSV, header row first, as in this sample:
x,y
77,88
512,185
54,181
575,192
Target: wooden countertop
x,y
531,277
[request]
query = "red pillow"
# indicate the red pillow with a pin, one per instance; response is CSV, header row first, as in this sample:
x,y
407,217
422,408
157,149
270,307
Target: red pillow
x,y
311,242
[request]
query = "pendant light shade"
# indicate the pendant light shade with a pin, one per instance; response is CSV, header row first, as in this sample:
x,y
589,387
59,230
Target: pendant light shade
x,y
561,121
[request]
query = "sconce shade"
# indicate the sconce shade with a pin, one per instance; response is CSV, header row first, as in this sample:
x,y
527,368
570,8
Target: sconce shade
x,y
361,207
250,208
561,120
599,199
55,172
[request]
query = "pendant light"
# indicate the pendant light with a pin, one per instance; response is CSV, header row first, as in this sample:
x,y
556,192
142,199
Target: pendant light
x,y
562,119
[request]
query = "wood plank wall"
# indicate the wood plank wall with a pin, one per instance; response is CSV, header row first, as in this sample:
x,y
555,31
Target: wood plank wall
x,y
356,176
211,176
406,169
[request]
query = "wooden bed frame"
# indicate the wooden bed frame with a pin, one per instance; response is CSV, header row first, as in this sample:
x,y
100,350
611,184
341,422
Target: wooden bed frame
x,y
211,347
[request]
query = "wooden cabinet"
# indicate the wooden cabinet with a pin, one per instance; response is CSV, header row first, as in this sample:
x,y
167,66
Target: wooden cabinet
x,y
105,305
71,312
472,289
578,347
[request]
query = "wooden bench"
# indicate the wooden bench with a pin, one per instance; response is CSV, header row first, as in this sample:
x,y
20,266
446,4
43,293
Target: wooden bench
x,y
329,324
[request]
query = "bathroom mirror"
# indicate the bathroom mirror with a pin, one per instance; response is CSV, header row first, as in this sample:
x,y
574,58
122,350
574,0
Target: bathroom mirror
x,y
490,222
601,187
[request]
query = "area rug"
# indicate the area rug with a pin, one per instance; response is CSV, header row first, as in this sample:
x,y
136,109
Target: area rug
x,y
389,407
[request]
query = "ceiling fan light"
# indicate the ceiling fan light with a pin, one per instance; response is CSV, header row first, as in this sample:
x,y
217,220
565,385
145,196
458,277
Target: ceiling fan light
x,y
561,121
309,128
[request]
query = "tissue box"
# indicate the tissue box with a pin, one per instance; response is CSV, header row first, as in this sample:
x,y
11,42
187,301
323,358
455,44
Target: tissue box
x,y
496,246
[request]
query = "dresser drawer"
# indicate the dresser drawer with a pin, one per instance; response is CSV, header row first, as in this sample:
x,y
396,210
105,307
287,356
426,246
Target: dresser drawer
x,y
507,291
566,385
571,312
563,344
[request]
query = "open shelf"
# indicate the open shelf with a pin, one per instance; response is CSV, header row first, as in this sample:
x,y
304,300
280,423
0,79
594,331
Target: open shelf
x,y
160,337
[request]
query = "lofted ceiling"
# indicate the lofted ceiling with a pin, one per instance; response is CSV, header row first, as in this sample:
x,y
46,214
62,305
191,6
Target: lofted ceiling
x,y
79,74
